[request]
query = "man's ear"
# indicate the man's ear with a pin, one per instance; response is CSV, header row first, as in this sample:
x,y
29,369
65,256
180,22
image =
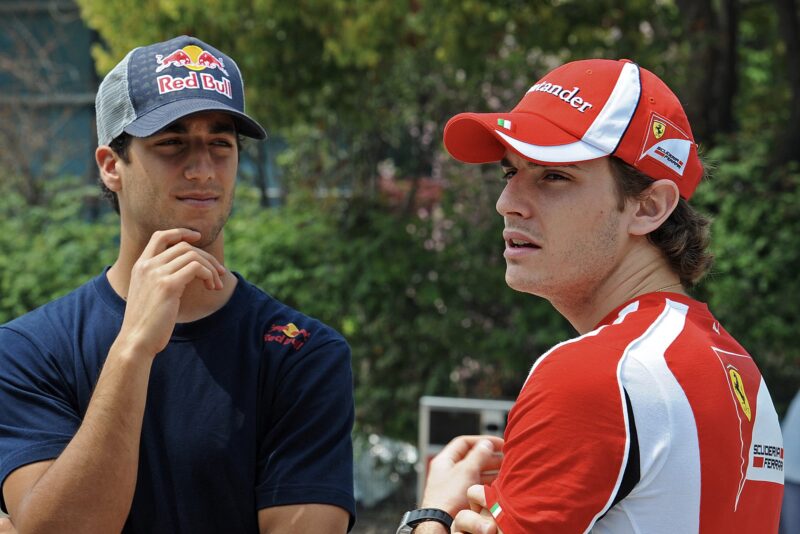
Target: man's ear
x,y
108,162
657,203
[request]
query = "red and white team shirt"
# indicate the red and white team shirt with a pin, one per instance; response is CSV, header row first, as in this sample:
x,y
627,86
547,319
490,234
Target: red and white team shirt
x,y
658,421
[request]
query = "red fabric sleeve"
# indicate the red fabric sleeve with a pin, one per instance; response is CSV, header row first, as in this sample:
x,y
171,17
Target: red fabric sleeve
x,y
565,444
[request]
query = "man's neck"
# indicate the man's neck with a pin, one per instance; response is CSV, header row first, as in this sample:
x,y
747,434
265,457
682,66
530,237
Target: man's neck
x,y
646,271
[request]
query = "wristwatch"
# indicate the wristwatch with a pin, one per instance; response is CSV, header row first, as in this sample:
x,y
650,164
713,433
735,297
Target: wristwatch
x,y
414,517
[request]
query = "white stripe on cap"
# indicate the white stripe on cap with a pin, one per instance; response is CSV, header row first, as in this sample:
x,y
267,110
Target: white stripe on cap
x,y
612,121
604,134
577,151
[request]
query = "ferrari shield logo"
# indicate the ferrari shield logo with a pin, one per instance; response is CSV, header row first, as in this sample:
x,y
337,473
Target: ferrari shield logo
x,y
658,129
738,391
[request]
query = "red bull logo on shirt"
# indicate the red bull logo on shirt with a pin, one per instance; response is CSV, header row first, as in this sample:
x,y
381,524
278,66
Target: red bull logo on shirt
x,y
287,334
195,59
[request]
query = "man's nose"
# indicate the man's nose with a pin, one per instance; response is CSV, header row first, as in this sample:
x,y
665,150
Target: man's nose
x,y
514,200
200,165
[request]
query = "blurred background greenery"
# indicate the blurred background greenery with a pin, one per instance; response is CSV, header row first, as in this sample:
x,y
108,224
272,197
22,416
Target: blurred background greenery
x,y
381,235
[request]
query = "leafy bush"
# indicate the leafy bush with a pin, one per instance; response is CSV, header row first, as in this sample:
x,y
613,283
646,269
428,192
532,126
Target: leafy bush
x,y
49,250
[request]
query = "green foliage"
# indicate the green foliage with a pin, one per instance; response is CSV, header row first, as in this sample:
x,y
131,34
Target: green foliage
x,y
48,251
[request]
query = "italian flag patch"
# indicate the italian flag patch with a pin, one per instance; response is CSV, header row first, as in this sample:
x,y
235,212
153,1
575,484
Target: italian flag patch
x,y
503,123
496,510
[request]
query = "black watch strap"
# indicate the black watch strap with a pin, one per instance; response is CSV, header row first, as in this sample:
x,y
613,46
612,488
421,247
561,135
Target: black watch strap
x,y
413,518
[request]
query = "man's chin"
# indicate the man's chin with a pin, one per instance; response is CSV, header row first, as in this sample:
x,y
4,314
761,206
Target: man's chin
x,y
523,284
207,235
206,239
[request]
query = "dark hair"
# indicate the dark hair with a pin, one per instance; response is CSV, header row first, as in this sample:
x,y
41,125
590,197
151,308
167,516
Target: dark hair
x,y
120,145
683,238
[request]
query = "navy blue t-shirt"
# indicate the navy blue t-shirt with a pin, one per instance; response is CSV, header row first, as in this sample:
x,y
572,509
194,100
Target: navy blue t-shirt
x,y
247,408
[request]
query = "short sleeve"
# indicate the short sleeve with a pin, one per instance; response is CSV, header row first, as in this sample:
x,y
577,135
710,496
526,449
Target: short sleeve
x,y
38,416
565,448
305,446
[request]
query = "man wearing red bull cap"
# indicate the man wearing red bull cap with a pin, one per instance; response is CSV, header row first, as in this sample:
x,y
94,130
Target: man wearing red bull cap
x,y
654,419
168,394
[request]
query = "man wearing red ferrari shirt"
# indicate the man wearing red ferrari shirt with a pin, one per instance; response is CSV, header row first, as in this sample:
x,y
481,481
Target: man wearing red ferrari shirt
x,y
654,419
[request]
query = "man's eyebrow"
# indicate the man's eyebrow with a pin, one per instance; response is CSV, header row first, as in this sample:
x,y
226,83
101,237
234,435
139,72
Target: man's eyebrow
x,y
223,127
506,163
216,128
175,127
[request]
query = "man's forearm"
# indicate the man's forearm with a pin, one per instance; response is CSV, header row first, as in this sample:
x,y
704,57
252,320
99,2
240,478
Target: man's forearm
x,y
90,486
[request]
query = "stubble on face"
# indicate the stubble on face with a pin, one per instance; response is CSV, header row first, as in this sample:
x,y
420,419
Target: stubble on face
x,y
152,215
571,269
210,230
580,241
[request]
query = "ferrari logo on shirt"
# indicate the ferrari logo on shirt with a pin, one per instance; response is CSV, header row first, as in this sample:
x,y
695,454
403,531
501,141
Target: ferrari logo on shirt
x,y
738,390
659,128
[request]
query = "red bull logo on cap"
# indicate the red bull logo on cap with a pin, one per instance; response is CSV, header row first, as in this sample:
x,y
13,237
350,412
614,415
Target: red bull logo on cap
x,y
287,334
192,57
195,59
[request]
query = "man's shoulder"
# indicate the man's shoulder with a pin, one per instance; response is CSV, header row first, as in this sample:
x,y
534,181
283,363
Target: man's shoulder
x,y
281,319
605,342
581,364
648,316
58,312
608,343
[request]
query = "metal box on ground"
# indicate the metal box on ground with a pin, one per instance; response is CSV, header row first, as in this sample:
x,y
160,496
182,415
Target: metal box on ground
x,y
443,418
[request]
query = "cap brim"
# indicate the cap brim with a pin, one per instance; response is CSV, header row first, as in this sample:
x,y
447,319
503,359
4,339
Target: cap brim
x,y
165,115
480,138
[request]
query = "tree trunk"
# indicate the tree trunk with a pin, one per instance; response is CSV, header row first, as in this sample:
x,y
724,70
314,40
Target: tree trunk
x,y
262,160
727,77
788,144
703,34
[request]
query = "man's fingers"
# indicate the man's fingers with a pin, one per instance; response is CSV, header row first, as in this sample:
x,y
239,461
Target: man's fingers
x,y
182,277
459,447
487,477
477,496
470,522
484,456
6,526
163,239
194,256
497,441
492,463
183,248
454,451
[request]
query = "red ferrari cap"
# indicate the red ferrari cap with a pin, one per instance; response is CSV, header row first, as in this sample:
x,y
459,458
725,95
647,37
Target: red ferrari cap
x,y
585,110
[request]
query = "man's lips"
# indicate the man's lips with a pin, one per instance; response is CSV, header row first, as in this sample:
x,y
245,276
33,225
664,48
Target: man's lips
x,y
198,199
515,239
519,245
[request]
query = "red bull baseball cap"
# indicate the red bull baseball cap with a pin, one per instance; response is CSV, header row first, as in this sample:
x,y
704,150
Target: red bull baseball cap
x,y
155,85
586,110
